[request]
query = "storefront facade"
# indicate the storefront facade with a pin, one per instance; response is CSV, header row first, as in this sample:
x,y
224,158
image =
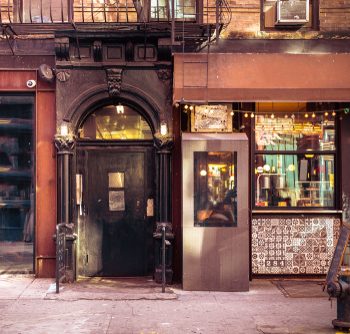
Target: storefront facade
x,y
294,108
28,181
95,101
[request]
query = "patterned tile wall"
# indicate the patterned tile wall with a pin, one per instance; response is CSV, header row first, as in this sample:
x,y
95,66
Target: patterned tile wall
x,y
293,245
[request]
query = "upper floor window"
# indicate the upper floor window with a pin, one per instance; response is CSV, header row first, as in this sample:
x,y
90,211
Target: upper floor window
x,y
184,9
57,11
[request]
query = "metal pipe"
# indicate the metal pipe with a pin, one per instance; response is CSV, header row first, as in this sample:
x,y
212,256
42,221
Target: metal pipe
x,y
65,190
163,259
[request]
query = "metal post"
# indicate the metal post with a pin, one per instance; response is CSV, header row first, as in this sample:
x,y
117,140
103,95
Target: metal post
x,y
65,187
163,259
64,144
57,256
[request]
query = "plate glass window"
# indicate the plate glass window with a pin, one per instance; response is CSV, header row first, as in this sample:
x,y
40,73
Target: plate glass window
x,y
16,184
215,189
295,161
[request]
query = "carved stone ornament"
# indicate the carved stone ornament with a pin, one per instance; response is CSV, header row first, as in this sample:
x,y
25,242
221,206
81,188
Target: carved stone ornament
x,y
164,74
62,48
114,81
64,144
97,50
163,143
63,75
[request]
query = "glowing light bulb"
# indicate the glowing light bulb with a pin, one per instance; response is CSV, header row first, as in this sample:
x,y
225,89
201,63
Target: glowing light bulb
x,y
186,106
252,115
306,115
272,116
191,108
326,113
313,115
333,113
232,113
246,115
163,129
64,130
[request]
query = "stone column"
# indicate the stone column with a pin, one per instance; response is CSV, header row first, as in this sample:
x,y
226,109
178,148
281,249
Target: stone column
x,y
65,145
164,145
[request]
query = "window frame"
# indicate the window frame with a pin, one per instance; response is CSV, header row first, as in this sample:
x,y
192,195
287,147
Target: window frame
x,y
197,15
335,153
314,13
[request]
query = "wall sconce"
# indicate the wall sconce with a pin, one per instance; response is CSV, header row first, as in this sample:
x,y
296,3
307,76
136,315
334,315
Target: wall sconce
x,y
64,139
64,129
163,128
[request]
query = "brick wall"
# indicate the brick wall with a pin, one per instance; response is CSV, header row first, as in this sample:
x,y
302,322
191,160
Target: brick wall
x,y
334,17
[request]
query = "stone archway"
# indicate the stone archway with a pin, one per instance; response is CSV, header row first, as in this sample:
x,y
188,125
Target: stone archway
x,y
85,90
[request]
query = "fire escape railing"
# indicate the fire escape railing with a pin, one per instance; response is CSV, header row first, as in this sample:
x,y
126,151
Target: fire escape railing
x,y
193,25
111,11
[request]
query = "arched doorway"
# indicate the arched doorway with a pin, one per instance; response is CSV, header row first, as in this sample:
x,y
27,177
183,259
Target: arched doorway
x,y
115,182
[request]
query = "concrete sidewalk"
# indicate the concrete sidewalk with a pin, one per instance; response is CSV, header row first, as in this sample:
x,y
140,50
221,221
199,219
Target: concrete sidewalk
x,y
29,305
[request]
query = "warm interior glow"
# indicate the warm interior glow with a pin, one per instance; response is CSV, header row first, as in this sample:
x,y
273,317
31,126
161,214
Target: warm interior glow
x,y
64,129
163,129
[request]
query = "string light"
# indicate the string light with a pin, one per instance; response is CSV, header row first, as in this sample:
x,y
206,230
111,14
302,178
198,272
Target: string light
x,y
271,114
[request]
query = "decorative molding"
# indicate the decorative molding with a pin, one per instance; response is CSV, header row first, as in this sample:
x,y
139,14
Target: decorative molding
x,y
62,48
63,75
64,144
164,144
97,50
164,74
114,81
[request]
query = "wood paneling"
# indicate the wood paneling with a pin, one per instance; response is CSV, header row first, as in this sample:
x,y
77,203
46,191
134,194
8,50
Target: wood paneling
x,y
45,183
16,80
267,77
176,196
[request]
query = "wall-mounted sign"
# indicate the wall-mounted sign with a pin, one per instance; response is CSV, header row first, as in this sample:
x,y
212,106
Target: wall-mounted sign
x,y
211,118
116,200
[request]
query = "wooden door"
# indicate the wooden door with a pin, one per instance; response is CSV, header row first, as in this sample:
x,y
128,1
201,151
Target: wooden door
x,y
115,234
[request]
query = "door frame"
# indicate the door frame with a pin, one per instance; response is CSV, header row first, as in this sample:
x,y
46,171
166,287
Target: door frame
x,y
126,145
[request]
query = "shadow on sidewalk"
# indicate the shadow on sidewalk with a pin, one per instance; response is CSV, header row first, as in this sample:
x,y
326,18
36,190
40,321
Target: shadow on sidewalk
x,y
126,288
301,288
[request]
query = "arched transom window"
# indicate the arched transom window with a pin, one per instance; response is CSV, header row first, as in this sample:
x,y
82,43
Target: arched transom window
x,y
115,122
